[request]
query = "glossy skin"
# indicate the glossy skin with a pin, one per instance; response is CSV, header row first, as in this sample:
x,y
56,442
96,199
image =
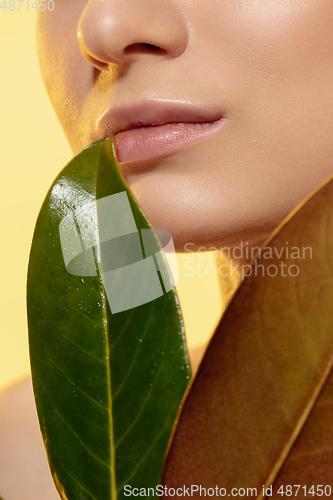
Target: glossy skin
x,y
266,65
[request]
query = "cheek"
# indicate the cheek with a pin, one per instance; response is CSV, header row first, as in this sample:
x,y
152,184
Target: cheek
x,y
64,70
269,40
290,56
282,41
283,51
268,58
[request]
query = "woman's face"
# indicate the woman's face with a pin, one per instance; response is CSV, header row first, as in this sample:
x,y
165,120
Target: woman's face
x,y
252,79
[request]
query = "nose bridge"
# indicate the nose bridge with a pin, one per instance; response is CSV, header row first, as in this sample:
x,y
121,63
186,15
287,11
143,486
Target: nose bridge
x,y
112,31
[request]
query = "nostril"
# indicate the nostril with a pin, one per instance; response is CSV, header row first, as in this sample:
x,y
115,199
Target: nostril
x,y
150,46
143,48
100,65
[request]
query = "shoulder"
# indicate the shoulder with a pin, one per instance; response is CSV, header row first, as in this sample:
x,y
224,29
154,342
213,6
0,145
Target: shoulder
x,y
24,471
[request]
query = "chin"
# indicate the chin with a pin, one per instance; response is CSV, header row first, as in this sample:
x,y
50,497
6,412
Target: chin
x,y
196,239
195,222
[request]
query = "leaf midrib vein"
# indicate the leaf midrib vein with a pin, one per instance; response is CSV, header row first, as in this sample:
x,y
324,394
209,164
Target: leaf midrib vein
x,y
112,450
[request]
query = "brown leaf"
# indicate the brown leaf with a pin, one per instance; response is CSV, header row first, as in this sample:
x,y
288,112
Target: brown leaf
x,y
310,462
253,407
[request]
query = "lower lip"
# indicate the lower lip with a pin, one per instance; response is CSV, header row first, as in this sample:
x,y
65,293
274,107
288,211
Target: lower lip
x,y
153,142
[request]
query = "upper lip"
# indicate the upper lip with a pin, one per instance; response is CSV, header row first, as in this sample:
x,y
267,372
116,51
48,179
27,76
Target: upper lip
x,y
152,112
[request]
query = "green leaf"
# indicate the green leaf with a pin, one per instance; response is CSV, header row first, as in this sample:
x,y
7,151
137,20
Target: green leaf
x,y
262,400
108,386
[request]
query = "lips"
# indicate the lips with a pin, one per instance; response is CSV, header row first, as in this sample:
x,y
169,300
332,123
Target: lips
x,y
152,129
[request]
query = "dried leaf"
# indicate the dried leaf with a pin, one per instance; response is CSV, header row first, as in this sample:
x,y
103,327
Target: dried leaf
x,y
253,407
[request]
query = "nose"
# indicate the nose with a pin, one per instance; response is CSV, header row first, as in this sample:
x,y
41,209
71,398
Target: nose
x,y
117,31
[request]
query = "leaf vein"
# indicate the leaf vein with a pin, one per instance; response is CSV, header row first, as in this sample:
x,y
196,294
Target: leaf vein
x,y
77,482
133,362
72,430
76,345
67,301
142,408
145,456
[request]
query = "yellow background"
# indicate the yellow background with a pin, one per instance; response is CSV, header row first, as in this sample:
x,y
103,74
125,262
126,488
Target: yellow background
x,y
33,150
